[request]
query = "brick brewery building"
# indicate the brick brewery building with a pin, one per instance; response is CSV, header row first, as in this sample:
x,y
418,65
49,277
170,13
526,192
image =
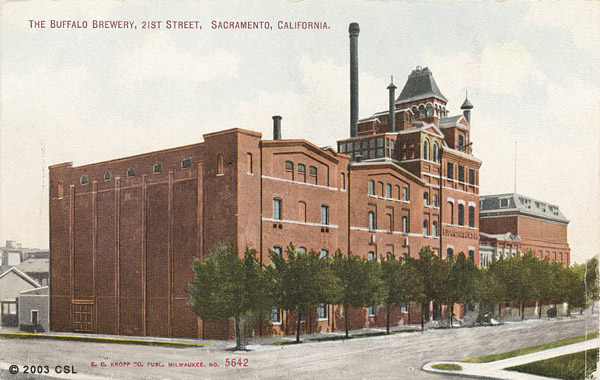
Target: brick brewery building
x,y
123,233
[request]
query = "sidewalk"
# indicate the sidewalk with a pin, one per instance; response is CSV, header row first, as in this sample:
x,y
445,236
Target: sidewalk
x,y
495,369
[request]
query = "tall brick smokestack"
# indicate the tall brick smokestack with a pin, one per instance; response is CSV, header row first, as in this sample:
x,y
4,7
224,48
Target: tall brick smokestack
x,y
392,90
353,30
276,127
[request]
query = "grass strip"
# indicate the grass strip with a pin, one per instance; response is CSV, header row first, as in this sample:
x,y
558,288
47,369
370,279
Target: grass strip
x,y
578,365
529,350
94,339
447,367
341,337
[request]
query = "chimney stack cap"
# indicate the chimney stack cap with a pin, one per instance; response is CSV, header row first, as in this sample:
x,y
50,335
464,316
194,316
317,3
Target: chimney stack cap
x,y
277,117
354,29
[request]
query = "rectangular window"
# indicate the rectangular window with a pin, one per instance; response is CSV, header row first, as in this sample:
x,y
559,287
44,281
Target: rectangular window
x,y
372,256
372,143
504,203
61,189
277,209
275,315
405,194
349,146
84,180
186,163
450,170
461,215
364,144
372,311
371,154
342,148
220,165
356,145
157,168
405,308
322,311
471,176
324,214
404,224
107,176
380,142
461,173
130,172
471,216
324,253
380,153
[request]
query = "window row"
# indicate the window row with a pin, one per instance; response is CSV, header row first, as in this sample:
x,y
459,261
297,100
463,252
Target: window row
x,y
427,154
368,148
157,168
324,253
278,211
450,254
461,214
389,217
275,314
434,197
301,171
461,173
387,193
429,110
434,228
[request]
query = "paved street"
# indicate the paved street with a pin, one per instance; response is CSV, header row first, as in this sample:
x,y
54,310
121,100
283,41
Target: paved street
x,y
400,356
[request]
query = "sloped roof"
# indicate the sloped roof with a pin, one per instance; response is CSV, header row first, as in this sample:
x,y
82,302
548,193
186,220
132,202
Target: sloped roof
x,y
516,204
22,275
35,266
420,84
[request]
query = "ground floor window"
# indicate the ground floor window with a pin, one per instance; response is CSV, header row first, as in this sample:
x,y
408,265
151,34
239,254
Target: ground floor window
x,y
322,311
372,310
275,315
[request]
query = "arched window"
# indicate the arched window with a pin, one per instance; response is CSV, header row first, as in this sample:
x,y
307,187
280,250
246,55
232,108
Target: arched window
x,y
372,256
435,200
371,187
404,224
450,253
391,222
425,227
429,110
461,215
471,255
324,253
301,211
313,174
289,165
426,198
380,188
388,190
324,214
277,250
276,208
415,110
301,173
249,168
426,150
434,230
372,225
471,216
436,152
451,212
301,250
421,111
405,194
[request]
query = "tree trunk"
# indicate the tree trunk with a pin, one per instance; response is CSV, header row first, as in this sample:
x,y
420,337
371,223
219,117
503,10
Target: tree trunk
x,y
450,312
499,312
388,319
346,318
298,326
239,345
422,317
523,310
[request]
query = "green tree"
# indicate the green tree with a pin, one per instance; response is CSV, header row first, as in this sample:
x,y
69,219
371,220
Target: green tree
x,y
463,282
402,283
360,282
575,287
591,280
435,276
301,281
490,291
226,286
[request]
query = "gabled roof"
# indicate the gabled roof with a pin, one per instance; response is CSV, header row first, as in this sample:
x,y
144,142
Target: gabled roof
x,y
453,121
22,275
519,205
420,84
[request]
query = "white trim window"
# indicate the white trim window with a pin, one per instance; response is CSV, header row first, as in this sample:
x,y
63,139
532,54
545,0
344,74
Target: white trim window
x,y
275,316
322,312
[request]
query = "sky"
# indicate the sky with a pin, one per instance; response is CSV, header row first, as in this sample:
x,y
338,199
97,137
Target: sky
x,y
85,95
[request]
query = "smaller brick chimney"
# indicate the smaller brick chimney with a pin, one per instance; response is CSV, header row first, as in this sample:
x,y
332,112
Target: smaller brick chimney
x,y
277,127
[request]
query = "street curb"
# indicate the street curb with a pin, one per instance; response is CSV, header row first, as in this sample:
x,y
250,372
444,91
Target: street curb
x,y
93,339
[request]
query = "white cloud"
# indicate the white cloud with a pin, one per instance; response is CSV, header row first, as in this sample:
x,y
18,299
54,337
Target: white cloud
x,y
580,19
501,67
322,105
158,56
